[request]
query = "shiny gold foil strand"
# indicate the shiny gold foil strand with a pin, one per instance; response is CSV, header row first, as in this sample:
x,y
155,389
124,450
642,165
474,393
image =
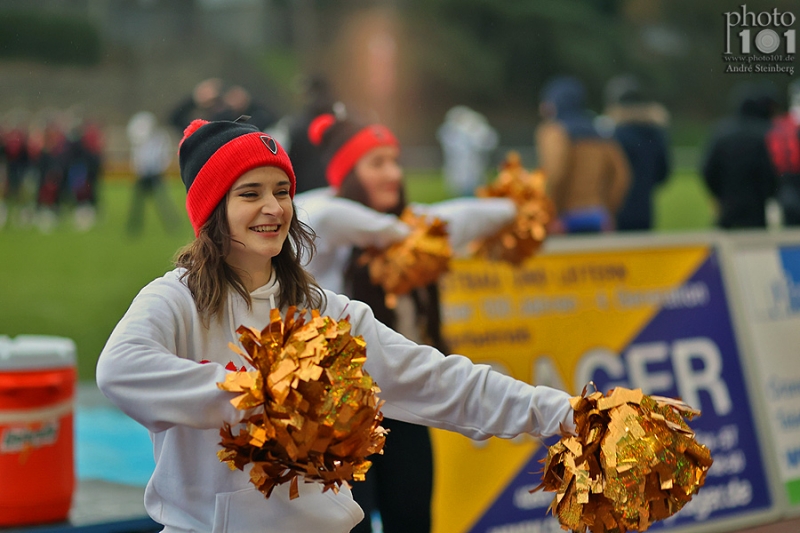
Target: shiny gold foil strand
x,y
416,261
315,411
633,461
524,236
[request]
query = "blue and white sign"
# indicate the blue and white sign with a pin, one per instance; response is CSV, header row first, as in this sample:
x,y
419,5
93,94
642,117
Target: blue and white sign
x,y
770,281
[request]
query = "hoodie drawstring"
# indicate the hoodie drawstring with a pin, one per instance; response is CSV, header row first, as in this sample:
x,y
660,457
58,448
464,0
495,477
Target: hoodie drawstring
x,y
231,323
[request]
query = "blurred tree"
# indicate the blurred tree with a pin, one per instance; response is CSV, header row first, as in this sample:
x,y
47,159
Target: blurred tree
x,y
49,38
491,51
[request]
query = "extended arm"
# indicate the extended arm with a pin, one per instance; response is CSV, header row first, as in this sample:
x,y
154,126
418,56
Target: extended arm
x,y
422,386
140,372
471,218
341,222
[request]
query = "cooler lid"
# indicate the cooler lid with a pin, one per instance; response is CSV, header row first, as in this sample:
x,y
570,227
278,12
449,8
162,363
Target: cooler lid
x,y
36,352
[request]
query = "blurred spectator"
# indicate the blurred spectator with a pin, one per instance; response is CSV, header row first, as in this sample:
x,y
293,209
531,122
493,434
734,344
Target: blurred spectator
x,y
204,102
587,175
237,101
737,168
783,143
467,142
151,155
51,161
51,155
84,167
305,156
639,126
14,154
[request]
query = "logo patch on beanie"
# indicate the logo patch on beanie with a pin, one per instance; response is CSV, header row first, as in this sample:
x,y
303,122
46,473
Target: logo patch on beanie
x,y
270,143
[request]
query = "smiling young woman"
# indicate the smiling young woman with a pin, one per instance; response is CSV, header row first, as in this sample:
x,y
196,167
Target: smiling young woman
x,y
164,359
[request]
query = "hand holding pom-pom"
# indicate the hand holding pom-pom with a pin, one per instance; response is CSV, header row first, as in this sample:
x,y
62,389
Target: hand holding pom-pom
x,y
416,261
633,461
317,415
523,237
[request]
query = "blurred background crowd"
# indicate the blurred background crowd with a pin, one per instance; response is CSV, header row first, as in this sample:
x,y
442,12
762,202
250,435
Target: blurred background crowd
x,y
461,82
631,108
626,105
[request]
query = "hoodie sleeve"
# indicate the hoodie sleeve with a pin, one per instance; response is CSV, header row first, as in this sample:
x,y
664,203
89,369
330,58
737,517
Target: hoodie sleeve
x,y
342,222
422,386
469,219
140,372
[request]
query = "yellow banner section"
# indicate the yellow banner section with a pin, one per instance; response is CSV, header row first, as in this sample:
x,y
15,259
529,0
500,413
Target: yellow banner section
x,y
537,323
468,476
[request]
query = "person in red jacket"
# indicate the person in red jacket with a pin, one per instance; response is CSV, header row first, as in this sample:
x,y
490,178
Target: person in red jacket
x,y
783,143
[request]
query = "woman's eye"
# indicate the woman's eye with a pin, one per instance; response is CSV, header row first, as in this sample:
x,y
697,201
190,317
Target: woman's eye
x,y
249,194
284,192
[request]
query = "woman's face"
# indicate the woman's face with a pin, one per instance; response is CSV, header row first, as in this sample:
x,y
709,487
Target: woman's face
x,y
259,214
381,176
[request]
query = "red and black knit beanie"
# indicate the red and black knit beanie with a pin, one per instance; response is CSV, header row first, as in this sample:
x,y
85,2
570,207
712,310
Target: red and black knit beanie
x,y
213,155
344,142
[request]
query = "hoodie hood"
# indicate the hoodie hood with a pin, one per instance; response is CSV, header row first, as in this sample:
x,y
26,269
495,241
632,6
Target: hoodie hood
x,y
264,299
268,291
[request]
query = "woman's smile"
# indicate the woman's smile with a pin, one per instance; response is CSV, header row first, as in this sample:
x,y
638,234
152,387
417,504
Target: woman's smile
x,y
265,229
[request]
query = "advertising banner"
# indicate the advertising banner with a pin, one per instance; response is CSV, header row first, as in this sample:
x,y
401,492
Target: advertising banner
x,y
649,318
769,277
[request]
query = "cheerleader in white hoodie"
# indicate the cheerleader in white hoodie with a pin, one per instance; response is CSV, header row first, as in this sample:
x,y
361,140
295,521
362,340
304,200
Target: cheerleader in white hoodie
x,y
360,209
163,360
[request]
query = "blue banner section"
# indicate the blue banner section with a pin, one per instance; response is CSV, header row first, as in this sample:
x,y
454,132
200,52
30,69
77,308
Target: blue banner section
x,y
790,259
687,352
788,295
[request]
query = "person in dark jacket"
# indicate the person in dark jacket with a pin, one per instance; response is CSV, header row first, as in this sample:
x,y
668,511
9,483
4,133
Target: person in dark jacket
x,y
205,102
307,158
737,168
639,126
237,101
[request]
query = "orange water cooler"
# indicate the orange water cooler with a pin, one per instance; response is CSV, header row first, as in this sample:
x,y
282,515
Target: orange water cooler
x,y
37,393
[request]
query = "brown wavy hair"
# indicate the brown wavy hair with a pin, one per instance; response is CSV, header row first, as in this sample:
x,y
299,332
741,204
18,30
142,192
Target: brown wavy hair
x,y
209,277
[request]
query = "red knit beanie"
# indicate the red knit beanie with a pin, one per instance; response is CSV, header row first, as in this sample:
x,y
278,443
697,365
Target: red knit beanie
x,y
213,155
344,142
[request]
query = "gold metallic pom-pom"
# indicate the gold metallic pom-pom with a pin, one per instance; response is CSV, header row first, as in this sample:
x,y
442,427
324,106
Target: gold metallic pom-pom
x,y
416,261
634,461
523,237
315,411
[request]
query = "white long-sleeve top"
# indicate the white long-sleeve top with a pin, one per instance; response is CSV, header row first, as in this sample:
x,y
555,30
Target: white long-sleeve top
x,y
341,224
150,368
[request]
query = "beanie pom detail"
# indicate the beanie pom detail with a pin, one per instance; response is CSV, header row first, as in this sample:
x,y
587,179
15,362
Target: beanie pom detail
x,y
319,126
193,126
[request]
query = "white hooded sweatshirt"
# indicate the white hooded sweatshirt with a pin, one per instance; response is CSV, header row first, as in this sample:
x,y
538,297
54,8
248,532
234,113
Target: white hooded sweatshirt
x,y
340,224
150,368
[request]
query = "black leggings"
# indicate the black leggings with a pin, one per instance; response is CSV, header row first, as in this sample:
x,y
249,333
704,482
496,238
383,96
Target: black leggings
x,y
400,482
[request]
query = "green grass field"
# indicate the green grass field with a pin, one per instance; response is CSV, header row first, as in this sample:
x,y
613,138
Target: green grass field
x,y
79,284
